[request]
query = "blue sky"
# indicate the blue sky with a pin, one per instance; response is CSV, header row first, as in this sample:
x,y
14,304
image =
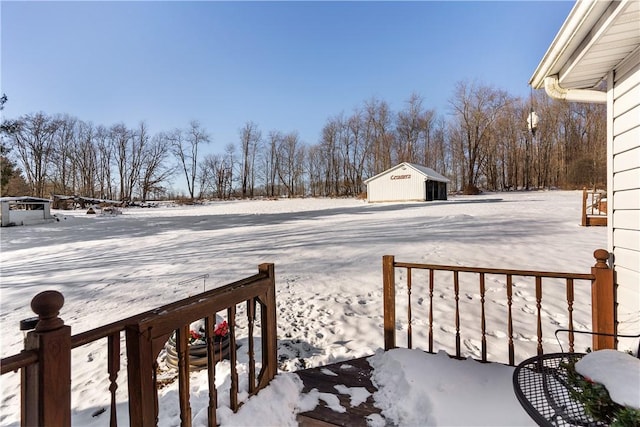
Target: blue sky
x,y
283,65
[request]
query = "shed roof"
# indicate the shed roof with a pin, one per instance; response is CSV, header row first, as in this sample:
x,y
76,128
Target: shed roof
x,y
594,39
25,199
428,173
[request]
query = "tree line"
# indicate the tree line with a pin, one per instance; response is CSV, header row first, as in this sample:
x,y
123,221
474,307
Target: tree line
x,y
483,142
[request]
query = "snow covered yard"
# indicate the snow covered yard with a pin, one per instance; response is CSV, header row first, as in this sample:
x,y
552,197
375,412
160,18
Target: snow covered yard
x,y
327,254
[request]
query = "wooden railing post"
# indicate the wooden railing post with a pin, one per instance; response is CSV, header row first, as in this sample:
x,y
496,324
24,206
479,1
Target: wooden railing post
x,y
46,386
603,302
140,374
269,316
584,207
389,293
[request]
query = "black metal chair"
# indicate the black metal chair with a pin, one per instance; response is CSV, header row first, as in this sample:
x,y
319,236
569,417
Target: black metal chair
x,y
543,387
598,334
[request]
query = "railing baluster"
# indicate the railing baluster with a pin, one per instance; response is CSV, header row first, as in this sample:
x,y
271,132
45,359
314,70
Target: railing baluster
x,y
409,307
456,291
261,312
209,327
182,345
233,394
539,312
154,380
483,323
584,207
113,367
251,317
510,318
430,311
570,310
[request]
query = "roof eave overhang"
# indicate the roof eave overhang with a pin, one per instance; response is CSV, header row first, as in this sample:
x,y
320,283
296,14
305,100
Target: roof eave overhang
x,y
581,18
568,55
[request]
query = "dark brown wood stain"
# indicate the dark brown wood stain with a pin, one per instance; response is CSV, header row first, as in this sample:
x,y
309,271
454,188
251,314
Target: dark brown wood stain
x,y
351,373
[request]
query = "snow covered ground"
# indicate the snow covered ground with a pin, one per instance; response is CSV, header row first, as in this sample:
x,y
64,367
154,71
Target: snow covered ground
x,y
327,254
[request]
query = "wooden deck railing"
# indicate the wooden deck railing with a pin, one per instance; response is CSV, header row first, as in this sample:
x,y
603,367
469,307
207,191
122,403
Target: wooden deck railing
x,y
45,363
594,207
600,281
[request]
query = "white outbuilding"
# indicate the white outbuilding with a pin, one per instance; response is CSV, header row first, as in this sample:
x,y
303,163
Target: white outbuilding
x,y
407,182
24,211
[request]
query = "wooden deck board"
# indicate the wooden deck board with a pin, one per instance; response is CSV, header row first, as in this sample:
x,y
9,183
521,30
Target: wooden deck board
x,y
596,221
351,373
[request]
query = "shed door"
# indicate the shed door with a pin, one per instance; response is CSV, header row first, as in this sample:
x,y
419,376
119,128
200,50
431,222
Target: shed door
x,y
432,191
442,191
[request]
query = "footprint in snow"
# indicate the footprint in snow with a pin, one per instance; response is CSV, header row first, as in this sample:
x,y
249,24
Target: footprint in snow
x,y
473,348
497,334
447,329
528,309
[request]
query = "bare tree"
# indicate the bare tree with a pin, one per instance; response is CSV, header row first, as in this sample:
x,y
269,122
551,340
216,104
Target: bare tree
x,y
63,165
583,134
505,148
105,162
315,170
289,162
410,124
139,142
356,155
330,149
380,136
120,139
154,170
476,110
250,137
86,159
207,175
270,162
227,171
440,148
33,138
10,174
185,145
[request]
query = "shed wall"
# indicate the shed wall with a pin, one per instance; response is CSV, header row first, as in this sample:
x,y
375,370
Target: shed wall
x,y
20,217
5,220
23,216
397,185
624,122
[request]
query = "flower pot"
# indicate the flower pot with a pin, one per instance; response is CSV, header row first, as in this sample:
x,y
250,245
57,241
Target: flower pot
x,y
198,352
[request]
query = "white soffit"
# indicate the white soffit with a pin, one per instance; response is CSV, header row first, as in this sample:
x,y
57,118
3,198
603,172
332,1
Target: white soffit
x,y
594,39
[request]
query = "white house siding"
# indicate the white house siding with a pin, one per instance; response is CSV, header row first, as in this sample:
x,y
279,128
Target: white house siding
x,y
395,186
625,190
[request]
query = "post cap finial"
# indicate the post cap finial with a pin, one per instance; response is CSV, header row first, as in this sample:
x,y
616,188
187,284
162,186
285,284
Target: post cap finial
x,y
47,306
601,256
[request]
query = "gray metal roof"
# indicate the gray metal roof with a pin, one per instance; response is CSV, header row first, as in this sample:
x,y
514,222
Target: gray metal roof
x,y
428,173
24,199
